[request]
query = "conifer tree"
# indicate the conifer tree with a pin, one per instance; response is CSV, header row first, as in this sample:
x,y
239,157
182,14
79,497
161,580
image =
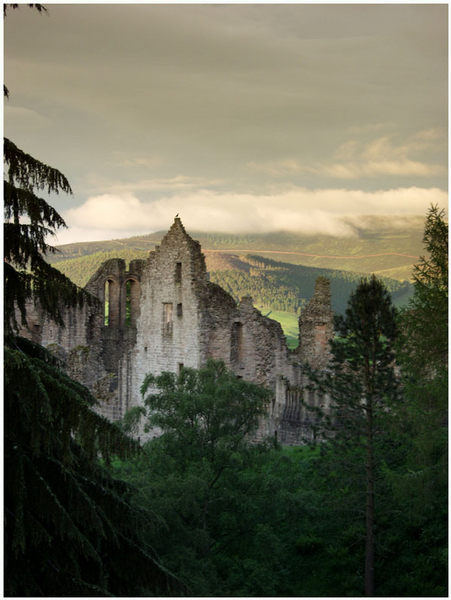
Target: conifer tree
x,y
425,319
69,528
362,386
29,220
422,487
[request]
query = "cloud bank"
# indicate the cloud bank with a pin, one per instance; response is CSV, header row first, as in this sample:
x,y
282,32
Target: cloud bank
x,y
355,159
327,211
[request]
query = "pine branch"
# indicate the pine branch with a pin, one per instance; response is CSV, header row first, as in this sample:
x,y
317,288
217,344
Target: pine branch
x,y
29,173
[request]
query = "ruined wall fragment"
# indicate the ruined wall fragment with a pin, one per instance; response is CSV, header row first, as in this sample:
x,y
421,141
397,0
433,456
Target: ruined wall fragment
x,y
316,327
163,314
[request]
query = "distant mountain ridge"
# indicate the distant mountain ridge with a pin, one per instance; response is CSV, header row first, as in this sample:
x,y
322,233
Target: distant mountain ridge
x,y
279,288
273,285
378,247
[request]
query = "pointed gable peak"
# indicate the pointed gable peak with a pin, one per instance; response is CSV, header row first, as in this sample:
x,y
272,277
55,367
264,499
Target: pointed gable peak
x,y
177,224
177,235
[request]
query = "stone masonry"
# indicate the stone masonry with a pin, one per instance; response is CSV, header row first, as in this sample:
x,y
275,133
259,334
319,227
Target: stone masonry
x,y
163,314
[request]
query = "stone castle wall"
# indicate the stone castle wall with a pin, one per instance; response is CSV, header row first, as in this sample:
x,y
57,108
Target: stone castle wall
x,y
162,314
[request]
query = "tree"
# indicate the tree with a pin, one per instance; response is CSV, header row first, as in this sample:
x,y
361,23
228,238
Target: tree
x,y
423,351
362,386
421,484
29,221
27,274
202,475
425,319
211,410
69,528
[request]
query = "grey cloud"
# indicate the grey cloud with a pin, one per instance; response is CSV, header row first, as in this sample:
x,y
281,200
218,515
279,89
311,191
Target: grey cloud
x,y
202,91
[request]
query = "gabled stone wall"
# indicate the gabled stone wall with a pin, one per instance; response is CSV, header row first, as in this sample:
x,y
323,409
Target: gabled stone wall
x,y
162,314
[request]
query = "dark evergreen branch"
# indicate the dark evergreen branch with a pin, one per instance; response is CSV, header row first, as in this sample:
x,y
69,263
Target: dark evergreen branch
x,y
29,173
18,202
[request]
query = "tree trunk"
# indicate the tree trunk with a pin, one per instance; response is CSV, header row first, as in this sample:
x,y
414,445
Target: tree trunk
x,y
369,542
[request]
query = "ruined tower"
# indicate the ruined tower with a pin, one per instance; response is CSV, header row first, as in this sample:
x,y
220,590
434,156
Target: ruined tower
x,y
316,327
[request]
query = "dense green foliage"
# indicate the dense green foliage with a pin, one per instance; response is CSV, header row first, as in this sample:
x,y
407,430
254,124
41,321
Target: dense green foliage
x,y
68,523
70,529
362,389
425,319
423,356
26,272
285,287
259,520
227,516
291,522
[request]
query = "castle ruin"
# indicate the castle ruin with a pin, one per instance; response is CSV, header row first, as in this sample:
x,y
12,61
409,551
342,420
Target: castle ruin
x,y
163,314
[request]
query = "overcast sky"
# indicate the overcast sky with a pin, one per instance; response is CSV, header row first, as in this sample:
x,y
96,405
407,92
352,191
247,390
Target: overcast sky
x,y
241,118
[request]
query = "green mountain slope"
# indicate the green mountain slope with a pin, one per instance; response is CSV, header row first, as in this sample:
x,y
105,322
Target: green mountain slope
x,y
375,246
278,269
274,285
286,287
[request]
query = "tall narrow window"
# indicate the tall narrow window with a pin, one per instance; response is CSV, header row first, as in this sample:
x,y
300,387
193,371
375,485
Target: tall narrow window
x,y
167,318
107,300
236,342
132,296
178,272
128,303
180,310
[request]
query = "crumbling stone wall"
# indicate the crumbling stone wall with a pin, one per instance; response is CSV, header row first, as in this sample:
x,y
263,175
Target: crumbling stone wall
x,y
316,327
163,313
78,345
168,326
299,418
118,291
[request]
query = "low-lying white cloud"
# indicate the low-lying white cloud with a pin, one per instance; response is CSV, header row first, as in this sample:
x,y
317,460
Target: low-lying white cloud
x,y
328,211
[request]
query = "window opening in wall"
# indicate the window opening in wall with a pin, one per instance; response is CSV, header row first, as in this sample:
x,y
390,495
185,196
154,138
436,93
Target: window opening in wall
x,y
128,302
180,367
107,296
236,342
132,291
311,398
179,310
167,317
178,272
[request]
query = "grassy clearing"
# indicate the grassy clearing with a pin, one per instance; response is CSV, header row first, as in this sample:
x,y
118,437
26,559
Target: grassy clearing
x,y
288,321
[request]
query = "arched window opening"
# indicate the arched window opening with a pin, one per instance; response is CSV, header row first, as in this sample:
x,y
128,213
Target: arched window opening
x,y
128,303
131,302
236,343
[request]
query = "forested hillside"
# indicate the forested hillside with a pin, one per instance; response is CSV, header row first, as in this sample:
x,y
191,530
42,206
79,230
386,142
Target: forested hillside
x,y
377,245
273,285
278,289
286,287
